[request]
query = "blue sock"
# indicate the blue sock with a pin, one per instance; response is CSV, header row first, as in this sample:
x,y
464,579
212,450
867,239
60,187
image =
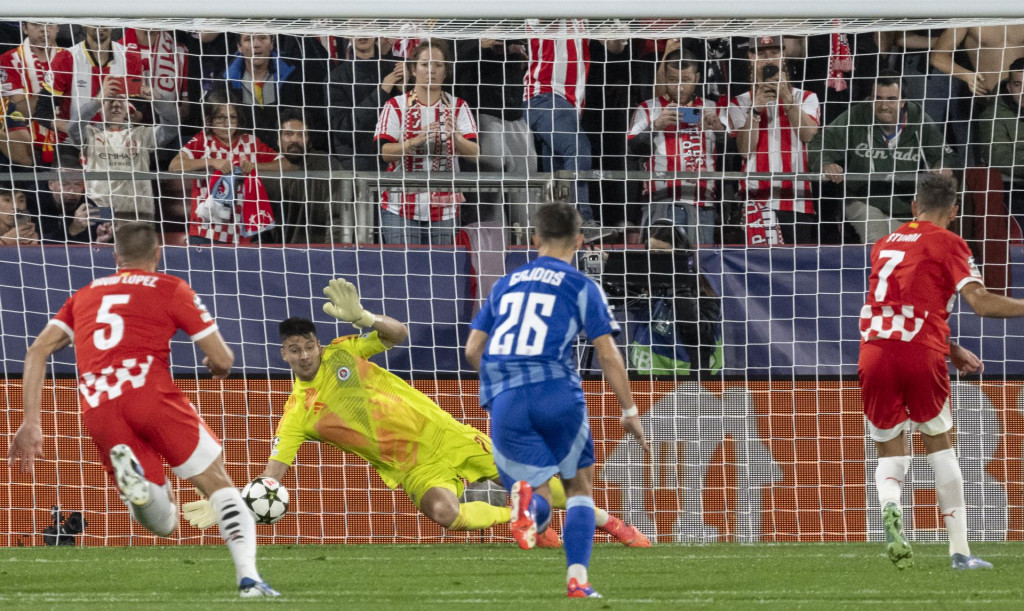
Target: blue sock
x,y
541,511
578,532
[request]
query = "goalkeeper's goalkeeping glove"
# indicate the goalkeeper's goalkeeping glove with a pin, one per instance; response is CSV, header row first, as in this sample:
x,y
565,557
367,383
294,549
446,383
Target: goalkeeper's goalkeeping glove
x,y
199,514
344,304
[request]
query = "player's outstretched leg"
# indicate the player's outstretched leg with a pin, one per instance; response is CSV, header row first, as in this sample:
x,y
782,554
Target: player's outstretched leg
x,y
898,547
624,533
150,504
237,528
524,529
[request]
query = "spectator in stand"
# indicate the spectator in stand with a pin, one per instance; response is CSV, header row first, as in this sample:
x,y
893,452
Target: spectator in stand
x,y
674,132
77,76
877,148
772,124
164,62
553,100
360,85
16,227
266,83
24,70
1002,135
65,213
209,56
489,76
225,144
424,130
310,214
1002,124
15,138
115,144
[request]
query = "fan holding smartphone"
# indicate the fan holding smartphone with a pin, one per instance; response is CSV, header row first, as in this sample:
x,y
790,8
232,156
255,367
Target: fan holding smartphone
x,y
674,132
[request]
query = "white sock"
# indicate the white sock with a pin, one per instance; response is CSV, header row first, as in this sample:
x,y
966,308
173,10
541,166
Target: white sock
x,y
238,530
949,492
600,517
159,516
889,476
577,571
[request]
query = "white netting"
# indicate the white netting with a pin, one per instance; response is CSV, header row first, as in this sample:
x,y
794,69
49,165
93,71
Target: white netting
x,y
746,378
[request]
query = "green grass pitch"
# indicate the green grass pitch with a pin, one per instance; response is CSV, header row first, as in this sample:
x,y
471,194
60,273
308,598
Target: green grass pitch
x,y
723,576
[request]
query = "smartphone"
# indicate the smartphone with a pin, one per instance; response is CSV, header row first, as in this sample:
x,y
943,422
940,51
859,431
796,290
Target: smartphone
x,y
769,72
133,86
689,115
98,214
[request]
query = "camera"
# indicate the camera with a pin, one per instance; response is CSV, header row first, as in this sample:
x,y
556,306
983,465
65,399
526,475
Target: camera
x,y
768,72
592,264
64,529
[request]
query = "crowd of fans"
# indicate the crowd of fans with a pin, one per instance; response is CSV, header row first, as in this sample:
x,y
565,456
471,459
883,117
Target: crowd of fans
x,y
249,131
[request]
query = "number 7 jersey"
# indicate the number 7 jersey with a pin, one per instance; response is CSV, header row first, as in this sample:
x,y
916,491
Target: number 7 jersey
x,y
916,273
532,318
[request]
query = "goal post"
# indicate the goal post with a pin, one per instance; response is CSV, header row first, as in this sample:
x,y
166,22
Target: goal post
x,y
742,350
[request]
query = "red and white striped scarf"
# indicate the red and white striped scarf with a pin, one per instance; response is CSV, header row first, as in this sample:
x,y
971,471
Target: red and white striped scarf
x,y
160,62
840,60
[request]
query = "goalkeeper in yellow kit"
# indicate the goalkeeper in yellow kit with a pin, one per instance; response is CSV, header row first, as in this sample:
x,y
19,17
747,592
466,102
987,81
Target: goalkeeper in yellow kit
x,y
343,399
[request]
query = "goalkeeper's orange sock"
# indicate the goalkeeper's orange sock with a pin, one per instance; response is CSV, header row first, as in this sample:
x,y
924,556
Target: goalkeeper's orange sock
x,y
478,515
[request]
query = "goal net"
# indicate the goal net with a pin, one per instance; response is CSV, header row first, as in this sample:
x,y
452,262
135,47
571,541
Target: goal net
x,y
731,174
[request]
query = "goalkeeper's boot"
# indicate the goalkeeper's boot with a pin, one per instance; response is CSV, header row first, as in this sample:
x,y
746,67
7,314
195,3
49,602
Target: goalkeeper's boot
x,y
549,539
898,547
250,588
576,589
626,534
131,479
969,563
524,529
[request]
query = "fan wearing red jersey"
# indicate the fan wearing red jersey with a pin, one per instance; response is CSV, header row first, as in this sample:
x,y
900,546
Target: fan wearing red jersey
x,y
121,326
675,132
916,273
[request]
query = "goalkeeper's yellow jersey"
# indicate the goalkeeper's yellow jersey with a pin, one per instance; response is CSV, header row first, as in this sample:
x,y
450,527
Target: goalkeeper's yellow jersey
x,y
359,407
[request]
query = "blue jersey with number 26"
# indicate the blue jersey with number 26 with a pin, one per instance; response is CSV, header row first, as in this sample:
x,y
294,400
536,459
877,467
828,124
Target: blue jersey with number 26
x,y
532,317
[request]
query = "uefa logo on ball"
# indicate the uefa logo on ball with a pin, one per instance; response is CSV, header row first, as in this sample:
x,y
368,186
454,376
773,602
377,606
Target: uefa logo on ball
x,y
343,373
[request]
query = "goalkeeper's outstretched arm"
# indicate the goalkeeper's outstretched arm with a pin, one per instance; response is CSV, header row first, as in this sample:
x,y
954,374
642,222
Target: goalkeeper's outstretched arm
x,y
343,303
275,470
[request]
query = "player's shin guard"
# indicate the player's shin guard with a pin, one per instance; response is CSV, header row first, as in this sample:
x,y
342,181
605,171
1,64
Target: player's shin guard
x,y
949,492
578,536
238,529
160,515
889,476
541,511
479,515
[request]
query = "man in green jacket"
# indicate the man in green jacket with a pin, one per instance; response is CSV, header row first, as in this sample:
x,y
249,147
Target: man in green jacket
x,y
877,147
1002,125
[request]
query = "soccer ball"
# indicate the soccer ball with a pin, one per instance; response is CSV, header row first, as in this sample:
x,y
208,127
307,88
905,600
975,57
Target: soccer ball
x,y
267,499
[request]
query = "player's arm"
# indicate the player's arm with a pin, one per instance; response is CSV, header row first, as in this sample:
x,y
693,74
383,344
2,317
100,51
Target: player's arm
x,y
475,347
275,469
991,305
28,440
964,360
219,357
343,304
615,372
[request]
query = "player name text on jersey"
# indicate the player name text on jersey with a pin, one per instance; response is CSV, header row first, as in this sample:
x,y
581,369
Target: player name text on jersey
x,y
149,281
537,274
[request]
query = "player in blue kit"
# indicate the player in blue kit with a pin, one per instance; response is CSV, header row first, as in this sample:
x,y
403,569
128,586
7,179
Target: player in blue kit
x,y
522,344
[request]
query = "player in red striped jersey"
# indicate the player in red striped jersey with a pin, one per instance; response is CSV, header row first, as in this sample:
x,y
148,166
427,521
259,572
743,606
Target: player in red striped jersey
x,y
121,326
916,273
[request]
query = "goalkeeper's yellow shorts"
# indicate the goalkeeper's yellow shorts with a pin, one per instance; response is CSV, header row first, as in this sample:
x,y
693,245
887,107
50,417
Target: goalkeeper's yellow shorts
x,y
463,454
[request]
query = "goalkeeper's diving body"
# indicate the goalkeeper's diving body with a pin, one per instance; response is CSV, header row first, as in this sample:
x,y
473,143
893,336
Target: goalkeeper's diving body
x,y
342,399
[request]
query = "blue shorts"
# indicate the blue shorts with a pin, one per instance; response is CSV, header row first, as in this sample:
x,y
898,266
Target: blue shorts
x,y
540,430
